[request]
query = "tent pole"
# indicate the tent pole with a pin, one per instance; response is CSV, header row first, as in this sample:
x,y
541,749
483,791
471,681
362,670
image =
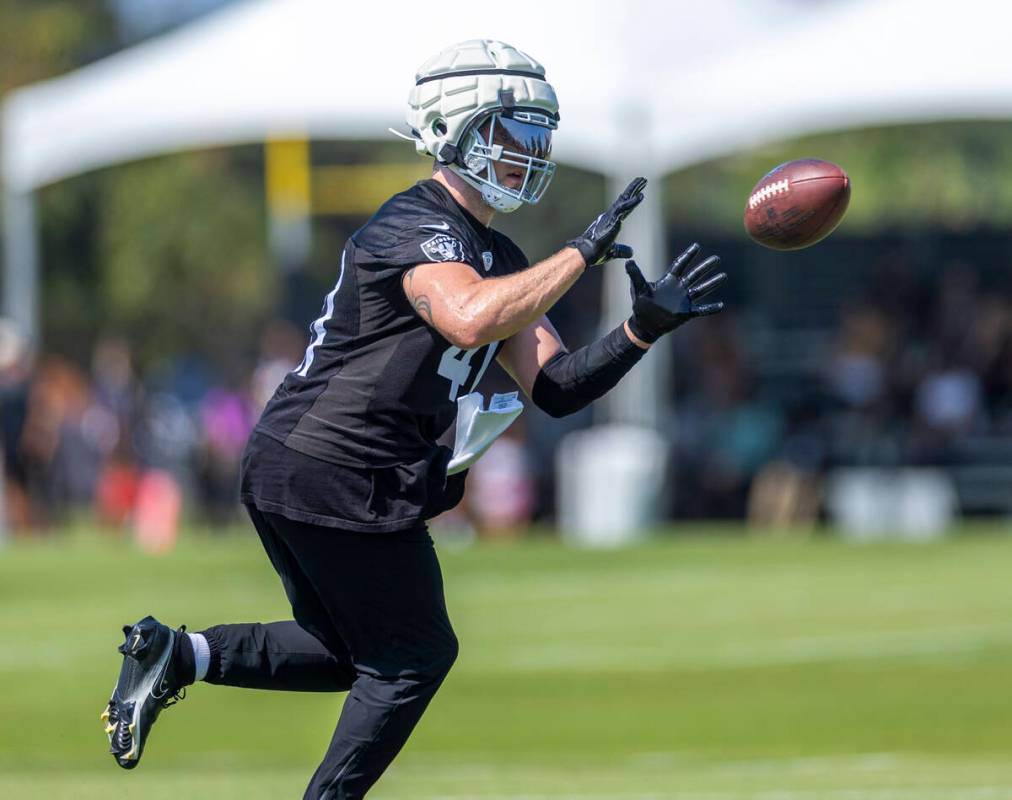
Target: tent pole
x,y
21,262
641,396
20,284
612,479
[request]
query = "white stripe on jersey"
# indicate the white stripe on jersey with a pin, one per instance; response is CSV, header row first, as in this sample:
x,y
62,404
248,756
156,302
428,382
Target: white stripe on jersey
x,y
492,348
320,325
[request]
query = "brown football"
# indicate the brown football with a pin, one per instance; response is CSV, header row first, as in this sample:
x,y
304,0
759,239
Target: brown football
x,y
797,204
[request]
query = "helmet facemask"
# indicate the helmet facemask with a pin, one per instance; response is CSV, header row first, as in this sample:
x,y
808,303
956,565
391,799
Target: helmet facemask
x,y
521,142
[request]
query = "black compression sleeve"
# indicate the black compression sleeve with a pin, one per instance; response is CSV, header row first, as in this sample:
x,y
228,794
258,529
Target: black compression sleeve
x,y
569,381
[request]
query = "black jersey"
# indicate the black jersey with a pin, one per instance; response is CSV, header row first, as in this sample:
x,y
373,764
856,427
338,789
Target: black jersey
x,y
377,386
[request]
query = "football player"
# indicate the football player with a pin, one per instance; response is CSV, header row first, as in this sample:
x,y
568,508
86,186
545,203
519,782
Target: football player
x,y
343,469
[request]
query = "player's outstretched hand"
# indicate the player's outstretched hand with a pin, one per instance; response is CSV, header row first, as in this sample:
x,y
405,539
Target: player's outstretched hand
x,y
661,306
597,243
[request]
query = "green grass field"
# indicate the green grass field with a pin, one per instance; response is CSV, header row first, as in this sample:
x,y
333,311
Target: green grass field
x,y
704,667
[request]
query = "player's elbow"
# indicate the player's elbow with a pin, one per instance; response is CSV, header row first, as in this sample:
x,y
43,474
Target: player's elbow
x,y
474,320
470,332
554,399
465,337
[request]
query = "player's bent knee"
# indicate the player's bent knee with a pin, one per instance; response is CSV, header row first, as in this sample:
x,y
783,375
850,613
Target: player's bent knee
x,y
442,658
452,651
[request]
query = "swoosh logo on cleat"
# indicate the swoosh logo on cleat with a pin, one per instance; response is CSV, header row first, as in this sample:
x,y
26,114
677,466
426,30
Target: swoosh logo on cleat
x,y
163,689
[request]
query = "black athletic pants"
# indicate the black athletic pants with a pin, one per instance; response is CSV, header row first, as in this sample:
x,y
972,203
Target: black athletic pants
x,y
370,618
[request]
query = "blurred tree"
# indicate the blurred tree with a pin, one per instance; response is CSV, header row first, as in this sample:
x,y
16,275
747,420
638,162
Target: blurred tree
x,y
182,255
170,251
939,176
42,38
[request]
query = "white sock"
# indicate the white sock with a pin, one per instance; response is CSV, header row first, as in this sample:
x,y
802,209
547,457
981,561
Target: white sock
x,y
201,654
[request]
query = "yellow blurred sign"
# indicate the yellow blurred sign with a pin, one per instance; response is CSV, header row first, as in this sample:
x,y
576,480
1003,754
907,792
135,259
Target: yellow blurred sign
x,y
295,189
288,177
360,189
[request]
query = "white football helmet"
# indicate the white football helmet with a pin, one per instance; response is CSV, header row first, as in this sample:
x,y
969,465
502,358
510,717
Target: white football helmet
x,y
483,102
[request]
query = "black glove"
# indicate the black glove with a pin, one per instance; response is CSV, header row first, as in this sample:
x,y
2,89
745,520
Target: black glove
x,y
663,305
597,243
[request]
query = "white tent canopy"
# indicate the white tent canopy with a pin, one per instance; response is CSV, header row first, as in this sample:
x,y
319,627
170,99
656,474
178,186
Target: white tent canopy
x,y
343,70
856,64
645,87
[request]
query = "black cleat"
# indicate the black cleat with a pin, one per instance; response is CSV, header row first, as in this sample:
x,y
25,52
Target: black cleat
x,y
147,684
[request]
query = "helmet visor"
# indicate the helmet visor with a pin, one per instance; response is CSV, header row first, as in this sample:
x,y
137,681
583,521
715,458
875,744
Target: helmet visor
x,y
522,138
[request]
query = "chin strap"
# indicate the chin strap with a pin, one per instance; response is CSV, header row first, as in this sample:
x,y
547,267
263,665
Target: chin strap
x,y
404,136
449,154
492,195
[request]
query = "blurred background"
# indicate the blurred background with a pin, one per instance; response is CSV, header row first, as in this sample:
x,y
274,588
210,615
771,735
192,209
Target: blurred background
x,y
861,389
174,291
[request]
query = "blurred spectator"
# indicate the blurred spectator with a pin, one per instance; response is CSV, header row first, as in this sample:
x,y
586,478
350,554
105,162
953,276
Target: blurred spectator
x,y
857,368
989,351
917,370
226,421
500,488
111,418
784,497
947,406
112,373
914,369
16,363
62,455
281,350
725,433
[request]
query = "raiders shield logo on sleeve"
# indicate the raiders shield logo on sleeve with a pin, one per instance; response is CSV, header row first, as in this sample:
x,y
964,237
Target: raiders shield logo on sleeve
x,y
443,247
